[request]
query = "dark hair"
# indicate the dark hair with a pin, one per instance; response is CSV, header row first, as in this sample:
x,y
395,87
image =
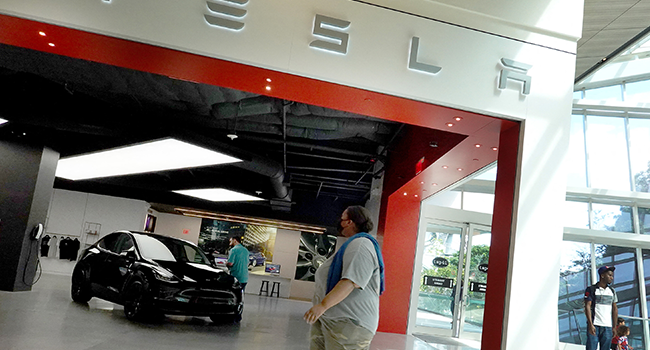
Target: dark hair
x,y
620,320
236,238
621,331
361,218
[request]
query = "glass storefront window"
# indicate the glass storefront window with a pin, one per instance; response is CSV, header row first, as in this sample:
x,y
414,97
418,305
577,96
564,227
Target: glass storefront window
x,y
608,93
626,281
639,155
479,202
608,217
576,214
638,91
644,220
577,95
574,278
607,149
577,166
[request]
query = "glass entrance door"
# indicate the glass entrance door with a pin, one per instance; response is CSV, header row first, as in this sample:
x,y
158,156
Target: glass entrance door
x,y
455,255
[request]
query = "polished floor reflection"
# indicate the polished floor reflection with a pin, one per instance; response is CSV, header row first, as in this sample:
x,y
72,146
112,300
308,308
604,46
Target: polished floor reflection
x,y
46,318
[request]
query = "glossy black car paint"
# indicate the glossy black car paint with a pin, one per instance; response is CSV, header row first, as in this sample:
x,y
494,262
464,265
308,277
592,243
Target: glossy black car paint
x,y
115,269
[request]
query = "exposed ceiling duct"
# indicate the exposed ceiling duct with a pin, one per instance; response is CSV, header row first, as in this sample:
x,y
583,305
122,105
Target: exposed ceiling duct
x,y
264,115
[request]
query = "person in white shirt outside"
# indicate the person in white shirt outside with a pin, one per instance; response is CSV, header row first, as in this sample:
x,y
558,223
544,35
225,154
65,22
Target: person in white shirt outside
x,y
601,310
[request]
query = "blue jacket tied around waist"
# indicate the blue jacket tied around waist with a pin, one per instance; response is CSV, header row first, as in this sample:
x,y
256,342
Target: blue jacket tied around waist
x,y
336,269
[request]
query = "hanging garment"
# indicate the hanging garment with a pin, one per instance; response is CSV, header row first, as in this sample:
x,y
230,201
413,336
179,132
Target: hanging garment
x,y
45,245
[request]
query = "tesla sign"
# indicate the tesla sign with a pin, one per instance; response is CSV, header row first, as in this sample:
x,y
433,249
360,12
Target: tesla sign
x,y
332,35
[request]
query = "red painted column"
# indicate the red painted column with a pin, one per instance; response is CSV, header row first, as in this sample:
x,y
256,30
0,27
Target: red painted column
x,y
400,240
502,229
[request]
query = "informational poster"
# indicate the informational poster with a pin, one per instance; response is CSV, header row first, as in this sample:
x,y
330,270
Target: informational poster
x,y
313,251
214,239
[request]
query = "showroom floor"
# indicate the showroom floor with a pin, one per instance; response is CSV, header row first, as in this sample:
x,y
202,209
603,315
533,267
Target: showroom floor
x,y
46,318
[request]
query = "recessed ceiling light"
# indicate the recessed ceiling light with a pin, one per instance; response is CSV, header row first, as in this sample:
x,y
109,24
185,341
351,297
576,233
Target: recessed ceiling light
x,y
166,154
458,119
51,44
445,167
450,124
434,184
477,145
460,169
219,195
268,80
405,193
2,121
421,182
494,148
41,33
416,196
268,88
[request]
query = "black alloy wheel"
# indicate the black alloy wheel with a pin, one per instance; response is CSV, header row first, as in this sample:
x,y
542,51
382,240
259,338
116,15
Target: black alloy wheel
x,y
135,305
80,289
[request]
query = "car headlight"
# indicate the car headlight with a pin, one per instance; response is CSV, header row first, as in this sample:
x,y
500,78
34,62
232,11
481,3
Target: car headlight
x,y
164,276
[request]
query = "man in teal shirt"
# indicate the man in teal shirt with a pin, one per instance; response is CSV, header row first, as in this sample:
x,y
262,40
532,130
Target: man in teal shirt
x,y
238,261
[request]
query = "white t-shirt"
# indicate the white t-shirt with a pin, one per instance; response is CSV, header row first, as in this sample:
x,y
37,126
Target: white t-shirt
x,y
604,297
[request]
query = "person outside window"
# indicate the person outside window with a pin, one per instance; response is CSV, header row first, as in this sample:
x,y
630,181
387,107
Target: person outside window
x,y
601,310
621,338
345,310
619,322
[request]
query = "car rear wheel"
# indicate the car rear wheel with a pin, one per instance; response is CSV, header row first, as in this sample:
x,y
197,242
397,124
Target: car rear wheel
x,y
80,289
136,307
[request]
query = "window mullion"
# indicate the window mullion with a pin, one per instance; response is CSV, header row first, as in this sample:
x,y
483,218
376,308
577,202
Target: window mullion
x,y
629,157
642,296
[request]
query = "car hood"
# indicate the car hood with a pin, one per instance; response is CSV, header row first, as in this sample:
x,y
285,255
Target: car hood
x,y
197,273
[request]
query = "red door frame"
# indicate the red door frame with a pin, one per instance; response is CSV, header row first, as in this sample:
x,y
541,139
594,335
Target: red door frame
x,y
400,236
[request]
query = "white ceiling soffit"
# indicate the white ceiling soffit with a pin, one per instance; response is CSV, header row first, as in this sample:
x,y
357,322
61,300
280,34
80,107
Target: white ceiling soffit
x,y
608,26
550,23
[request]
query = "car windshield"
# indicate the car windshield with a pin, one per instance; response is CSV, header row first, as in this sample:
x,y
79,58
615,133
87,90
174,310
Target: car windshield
x,y
167,249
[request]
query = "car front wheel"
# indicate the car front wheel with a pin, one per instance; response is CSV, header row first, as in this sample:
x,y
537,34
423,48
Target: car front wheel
x,y
136,307
80,290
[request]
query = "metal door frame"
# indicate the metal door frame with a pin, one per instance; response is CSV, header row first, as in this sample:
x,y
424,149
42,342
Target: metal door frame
x,y
461,296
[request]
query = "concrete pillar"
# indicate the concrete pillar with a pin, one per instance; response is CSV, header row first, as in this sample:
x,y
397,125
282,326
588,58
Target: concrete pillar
x,y
26,182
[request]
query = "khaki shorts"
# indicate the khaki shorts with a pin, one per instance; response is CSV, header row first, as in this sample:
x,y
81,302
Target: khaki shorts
x,y
340,334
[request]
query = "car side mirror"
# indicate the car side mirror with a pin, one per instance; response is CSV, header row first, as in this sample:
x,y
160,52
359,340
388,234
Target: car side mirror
x,y
129,255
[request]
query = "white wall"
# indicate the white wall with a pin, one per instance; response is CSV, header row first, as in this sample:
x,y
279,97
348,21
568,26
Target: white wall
x,y
174,225
70,212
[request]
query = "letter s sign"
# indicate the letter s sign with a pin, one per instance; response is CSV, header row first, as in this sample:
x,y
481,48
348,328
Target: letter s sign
x,y
339,40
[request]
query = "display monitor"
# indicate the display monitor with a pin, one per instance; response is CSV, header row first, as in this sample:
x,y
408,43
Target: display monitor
x,y
272,268
220,261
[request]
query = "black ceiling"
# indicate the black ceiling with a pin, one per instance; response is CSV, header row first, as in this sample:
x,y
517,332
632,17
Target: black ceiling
x,y
316,160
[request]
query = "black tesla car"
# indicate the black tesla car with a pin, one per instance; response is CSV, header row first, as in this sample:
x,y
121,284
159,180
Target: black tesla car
x,y
152,275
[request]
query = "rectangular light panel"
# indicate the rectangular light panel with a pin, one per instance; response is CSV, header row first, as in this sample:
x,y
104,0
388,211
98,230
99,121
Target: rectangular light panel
x,y
2,121
219,195
167,154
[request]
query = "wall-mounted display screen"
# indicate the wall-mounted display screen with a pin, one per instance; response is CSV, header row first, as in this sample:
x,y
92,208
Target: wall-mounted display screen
x,y
272,268
220,261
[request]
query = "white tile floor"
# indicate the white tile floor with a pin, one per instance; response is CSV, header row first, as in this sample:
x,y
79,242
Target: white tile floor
x,y
46,318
